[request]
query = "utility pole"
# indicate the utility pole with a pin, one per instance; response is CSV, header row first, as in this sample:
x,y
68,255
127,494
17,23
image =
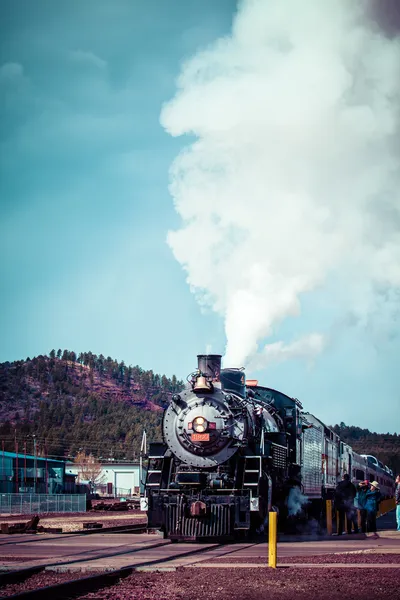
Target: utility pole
x,y
25,465
34,463
3,472
47,473
16,462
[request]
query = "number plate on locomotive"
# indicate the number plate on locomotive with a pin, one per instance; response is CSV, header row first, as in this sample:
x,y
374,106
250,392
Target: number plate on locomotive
x,y
200,437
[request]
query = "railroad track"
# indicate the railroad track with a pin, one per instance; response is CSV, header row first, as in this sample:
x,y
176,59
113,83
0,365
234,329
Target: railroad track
x,y
73,588
76,588
59,564
134,528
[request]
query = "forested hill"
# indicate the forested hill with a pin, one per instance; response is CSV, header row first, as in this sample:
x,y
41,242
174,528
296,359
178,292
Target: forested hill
x,y
384,446
69,401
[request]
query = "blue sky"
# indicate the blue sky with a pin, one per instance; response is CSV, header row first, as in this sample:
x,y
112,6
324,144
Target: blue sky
x,y
85,206
85,202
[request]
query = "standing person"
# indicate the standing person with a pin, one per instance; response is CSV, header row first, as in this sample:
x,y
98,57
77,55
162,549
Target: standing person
x,y
373,498
344,502
397,498
361,499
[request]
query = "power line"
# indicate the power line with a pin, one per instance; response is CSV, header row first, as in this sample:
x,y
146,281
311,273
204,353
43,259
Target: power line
x,y
101,447
81,443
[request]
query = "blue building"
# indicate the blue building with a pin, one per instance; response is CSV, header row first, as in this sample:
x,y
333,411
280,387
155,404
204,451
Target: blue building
x,y
24,473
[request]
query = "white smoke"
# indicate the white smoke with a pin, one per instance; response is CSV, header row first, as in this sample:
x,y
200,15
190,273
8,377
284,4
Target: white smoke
x,y
305,347
294,176
295,501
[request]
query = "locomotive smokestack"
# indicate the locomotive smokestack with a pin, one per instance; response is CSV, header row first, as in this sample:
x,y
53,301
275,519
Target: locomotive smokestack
x,y
210,365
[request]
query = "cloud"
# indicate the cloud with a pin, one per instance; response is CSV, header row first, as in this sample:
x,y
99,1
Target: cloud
x,y
294,175
88,59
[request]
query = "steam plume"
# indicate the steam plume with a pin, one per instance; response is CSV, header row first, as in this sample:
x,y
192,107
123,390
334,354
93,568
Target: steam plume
x,y
295,501
294,176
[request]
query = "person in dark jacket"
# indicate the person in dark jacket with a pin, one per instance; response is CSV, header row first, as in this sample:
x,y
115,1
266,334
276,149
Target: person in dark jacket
x,y
397,498
361,499
344,502
372,500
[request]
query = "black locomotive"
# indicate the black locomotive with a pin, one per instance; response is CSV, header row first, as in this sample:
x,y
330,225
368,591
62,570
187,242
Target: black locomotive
x,y
233,451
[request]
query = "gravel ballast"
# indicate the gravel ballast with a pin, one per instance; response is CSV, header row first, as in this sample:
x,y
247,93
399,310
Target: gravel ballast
x,y
37,581
346,558
71,522
255,584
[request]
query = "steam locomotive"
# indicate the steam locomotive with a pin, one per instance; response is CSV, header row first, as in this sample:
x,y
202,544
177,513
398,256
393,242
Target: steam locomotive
x,y
233,451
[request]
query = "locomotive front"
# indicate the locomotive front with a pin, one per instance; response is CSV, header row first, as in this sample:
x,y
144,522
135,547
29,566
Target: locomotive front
x,y
206,423
210,478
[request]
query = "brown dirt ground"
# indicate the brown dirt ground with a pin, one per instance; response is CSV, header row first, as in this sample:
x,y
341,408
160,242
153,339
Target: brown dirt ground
x,y
74,521
347,558
37,581
256,584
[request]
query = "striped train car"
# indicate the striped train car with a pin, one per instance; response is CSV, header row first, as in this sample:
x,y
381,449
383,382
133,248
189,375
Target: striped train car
x,y
325,458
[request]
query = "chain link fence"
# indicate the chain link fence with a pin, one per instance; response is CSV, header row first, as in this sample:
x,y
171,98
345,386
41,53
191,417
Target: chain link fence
x,y
27,504
107,491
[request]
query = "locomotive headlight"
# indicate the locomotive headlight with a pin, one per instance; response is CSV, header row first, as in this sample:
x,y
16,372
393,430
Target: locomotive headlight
x,y
199,424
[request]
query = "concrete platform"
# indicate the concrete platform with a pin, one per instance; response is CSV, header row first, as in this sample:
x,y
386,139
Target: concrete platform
x,y
33,550
102,551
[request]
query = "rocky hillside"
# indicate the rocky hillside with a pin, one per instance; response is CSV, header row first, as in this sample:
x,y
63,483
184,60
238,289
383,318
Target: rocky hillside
x,y
70,401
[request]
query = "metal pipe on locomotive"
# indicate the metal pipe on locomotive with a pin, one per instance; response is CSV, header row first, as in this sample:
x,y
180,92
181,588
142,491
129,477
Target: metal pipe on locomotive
x,y
232,452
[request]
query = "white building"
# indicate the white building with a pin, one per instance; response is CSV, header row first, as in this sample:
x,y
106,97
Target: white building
x,y
118,478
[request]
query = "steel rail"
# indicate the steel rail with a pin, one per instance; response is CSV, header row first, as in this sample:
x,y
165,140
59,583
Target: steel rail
x,y
78,587
15,574
134,528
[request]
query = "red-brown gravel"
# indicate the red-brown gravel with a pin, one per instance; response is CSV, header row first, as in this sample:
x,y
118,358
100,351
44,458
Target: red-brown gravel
x,y
255,584
348,558
37,581
246,584
71,522
20,560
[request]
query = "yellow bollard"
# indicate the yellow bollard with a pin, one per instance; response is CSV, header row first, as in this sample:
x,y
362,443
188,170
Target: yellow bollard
x,y
329,517
272,539
359,518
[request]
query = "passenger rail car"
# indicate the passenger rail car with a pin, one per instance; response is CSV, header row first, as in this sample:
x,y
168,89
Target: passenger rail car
x,y
233,451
